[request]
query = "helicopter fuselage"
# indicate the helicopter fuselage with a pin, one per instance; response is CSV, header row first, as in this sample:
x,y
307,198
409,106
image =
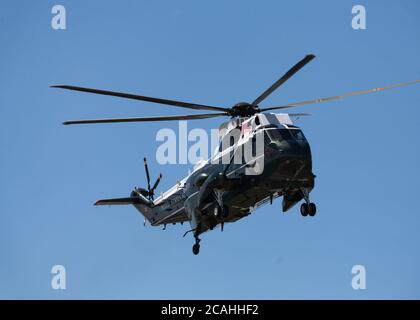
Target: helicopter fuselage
x,y
220,191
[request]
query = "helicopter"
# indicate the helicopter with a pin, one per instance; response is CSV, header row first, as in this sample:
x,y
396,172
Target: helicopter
x,y
237,179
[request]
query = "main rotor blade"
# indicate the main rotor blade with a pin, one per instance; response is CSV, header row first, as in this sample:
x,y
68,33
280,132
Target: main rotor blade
x,y
349,94
299,114
284,78
144,119
175,103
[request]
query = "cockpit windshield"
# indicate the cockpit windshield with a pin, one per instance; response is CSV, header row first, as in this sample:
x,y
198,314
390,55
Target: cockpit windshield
x,y
297,134
285,134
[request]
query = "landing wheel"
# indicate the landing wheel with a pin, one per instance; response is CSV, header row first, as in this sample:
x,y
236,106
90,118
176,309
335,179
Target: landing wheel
x,y
196,249
312,209
304,209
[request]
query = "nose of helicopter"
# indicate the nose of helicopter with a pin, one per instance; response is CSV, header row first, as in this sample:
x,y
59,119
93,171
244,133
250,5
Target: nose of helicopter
x,y
291,160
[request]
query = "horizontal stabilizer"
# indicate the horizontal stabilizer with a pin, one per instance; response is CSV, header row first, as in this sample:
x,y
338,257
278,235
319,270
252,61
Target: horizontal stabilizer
x,y
117,201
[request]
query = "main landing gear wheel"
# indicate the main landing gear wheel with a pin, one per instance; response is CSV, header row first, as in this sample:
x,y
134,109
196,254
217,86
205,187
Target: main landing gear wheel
x,y
308,209
304,209
196,249
312,209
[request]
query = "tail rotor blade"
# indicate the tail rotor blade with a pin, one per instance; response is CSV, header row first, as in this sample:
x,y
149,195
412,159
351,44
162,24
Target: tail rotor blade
x,y
146,167
156,183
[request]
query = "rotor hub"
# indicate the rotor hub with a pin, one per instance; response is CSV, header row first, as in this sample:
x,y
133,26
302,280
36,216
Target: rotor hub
x,y
244,109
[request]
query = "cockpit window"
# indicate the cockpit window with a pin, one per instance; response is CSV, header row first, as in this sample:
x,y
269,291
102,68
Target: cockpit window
x,y
297,134
285,134
275,134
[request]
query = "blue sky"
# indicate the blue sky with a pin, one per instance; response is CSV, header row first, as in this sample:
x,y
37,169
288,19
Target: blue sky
x,y
365,150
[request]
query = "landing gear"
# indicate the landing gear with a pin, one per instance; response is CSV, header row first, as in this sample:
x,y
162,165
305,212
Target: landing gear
x,y
196,246
220,210
312,209
196,249
304,209
307,208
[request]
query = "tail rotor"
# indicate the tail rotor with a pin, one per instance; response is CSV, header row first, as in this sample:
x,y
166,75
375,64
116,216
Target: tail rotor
x,y
151,190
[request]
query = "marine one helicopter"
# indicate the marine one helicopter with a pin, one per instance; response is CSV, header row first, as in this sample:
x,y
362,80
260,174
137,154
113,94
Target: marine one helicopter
x,y
217,192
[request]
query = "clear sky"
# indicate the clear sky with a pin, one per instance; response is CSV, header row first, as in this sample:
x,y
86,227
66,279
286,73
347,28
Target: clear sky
x,y
365,149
